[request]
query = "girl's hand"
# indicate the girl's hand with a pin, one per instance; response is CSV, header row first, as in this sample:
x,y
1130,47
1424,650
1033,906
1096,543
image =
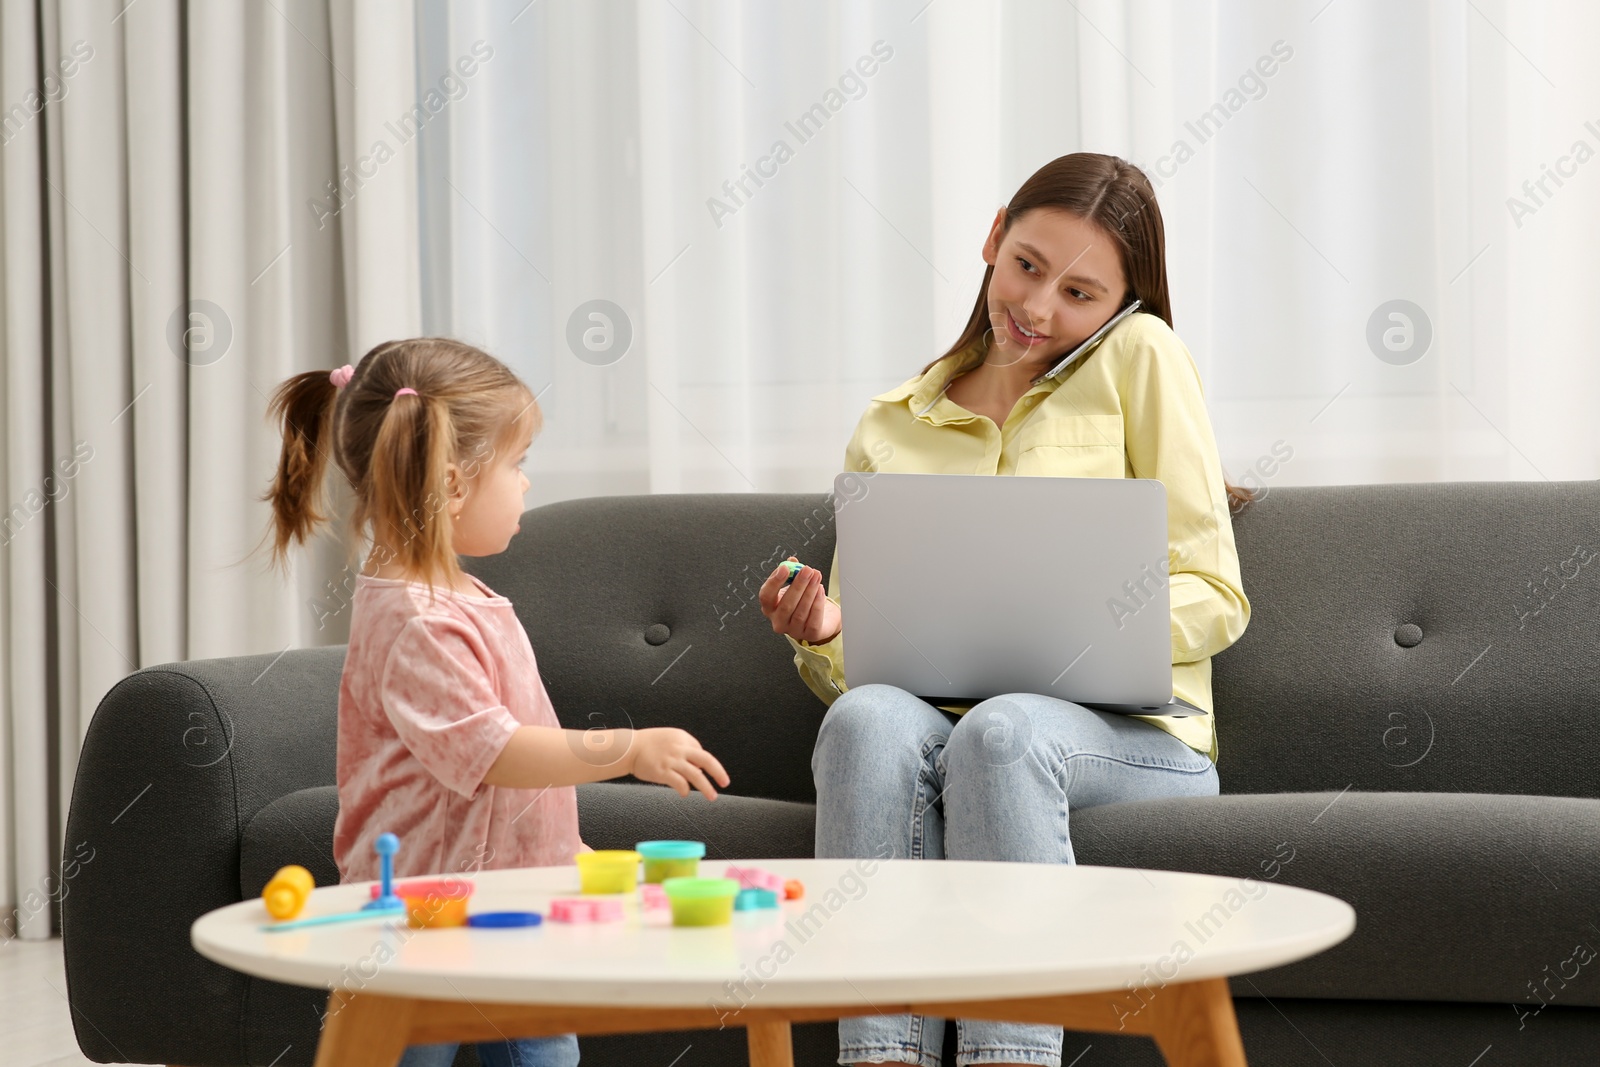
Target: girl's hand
x,y
669,756
802,611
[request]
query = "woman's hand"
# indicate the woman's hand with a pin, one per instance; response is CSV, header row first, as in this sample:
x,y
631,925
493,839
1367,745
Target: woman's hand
x,y
669,756
802,611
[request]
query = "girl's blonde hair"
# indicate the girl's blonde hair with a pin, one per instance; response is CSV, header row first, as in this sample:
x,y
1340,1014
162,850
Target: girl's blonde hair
x,y
395,450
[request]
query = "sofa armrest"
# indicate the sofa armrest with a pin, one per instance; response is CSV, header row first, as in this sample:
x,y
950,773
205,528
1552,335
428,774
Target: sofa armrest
x,y
177,759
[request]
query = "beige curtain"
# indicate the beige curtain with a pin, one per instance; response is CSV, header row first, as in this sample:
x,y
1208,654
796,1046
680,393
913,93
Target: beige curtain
x,y
191,212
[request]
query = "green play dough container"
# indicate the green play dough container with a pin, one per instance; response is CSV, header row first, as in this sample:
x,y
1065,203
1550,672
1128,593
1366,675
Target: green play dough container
x,y
701,901
670,859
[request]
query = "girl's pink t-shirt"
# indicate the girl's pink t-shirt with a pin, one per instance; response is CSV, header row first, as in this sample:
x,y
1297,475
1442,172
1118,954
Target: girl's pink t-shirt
x,y
430,695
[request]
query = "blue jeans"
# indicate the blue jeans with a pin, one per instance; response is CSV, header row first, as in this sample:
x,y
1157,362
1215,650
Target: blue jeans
x,y
558,1051
898,777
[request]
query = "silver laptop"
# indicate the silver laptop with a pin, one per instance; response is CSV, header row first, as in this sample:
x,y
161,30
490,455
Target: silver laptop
x,y
960,587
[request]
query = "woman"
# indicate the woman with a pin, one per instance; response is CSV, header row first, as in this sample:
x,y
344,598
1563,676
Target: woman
x,y
1079,241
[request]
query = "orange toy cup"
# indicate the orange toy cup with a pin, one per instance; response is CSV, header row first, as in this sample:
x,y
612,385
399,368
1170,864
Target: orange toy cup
x,y
436,902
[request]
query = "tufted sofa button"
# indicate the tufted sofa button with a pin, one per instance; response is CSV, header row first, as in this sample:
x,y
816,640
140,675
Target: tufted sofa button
x,y
657,634
1408,636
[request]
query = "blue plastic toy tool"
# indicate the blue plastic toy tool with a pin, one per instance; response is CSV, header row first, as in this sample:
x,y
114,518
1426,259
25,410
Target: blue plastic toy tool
x,y
387,845
502,920
339,917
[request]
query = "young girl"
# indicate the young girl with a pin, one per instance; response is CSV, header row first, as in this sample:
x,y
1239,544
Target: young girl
x,y
446,735
998,780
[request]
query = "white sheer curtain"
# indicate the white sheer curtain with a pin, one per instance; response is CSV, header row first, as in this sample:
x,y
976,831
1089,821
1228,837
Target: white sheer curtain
x,y
1337,157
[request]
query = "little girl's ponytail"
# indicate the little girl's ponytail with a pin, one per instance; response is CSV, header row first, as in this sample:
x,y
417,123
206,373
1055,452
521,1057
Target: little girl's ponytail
x,y
409,477
303,408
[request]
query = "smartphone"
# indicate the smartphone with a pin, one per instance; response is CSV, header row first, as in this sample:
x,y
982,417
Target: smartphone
x,y
1092,340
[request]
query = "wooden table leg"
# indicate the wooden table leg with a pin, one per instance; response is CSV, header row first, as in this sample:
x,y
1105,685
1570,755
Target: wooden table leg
x,y
364,1031
1194,1025
771,1044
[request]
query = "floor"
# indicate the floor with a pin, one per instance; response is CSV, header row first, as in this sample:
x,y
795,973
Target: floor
x,y
35,1024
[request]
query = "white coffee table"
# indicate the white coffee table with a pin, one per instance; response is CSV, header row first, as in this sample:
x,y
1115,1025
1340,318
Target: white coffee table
x,y
1099,949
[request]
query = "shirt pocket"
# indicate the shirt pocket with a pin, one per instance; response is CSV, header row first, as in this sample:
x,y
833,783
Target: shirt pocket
x,y
1073,446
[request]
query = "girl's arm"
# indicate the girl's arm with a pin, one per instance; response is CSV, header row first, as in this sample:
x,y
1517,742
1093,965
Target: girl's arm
x,y
542,756
436,694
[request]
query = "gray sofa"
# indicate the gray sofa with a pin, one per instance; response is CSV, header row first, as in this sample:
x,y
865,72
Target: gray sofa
x,y
1409,723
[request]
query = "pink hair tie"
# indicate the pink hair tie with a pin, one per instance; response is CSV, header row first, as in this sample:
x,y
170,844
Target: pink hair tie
x,y
404,391
341,377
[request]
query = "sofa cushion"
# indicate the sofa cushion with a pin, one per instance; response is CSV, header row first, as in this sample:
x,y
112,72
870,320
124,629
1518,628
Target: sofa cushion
x,y
1427,638
621,815
1458,896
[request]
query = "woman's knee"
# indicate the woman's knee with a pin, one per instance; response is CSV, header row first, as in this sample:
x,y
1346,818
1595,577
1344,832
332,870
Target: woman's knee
x,y
870,718
1097,757
997,732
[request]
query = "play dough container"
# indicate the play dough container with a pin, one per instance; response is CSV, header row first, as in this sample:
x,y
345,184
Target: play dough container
x,y
701,901
670,859
608,870
440,902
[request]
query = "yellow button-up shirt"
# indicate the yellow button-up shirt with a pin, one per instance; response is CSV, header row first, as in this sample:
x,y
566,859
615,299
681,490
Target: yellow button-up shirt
x,y
1132,408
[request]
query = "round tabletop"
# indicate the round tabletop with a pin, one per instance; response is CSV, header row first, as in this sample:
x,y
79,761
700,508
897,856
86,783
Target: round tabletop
x,y
889,930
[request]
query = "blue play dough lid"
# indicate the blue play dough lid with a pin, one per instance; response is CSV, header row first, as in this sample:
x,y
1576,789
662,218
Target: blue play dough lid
x,y
671,850
502,919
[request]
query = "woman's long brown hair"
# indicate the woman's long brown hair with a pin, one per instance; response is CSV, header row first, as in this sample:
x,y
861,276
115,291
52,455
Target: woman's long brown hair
x,y
1116,196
